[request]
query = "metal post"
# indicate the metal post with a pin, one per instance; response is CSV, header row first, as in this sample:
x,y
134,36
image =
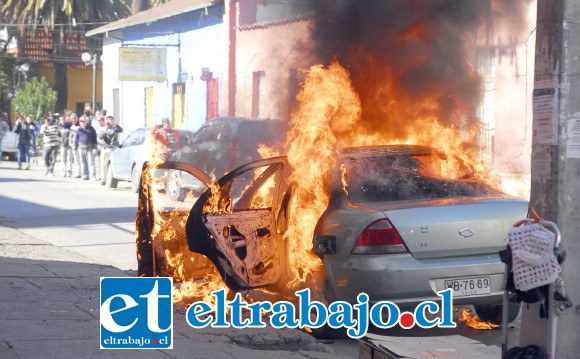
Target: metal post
x,y
555,191
94,63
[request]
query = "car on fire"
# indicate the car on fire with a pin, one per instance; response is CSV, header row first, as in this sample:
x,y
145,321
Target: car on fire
x,y
393,228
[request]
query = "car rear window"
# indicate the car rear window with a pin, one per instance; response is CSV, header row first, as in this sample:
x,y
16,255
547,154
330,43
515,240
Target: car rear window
x,y
403,178
212,133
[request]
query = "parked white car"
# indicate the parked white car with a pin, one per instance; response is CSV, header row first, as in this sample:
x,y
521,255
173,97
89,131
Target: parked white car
x,y
10,145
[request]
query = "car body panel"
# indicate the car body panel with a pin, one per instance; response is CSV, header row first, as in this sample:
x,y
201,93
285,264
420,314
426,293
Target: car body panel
x,y
242,241
10,144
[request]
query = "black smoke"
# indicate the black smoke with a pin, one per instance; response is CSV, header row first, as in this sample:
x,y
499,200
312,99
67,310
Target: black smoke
x,y
426,48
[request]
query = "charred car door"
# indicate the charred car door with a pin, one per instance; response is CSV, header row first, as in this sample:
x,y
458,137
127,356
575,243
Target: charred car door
x,y
234,224
162,248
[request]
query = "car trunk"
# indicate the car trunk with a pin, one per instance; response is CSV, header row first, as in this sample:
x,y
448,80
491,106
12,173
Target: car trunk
x,y
456,227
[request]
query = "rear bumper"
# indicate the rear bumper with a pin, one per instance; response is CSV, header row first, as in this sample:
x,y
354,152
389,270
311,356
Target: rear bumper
x,y
407,281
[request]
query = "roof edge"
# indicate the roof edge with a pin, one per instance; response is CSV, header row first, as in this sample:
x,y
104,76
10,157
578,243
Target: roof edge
x,y
142,17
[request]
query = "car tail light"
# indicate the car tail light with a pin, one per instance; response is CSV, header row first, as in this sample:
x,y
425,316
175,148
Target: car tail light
x,y
380,237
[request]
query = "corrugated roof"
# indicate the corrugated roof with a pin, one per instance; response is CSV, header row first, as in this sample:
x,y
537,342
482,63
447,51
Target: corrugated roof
x,y
172,8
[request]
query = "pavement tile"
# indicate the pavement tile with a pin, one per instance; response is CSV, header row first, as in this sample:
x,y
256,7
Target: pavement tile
x,y
23,268
45,310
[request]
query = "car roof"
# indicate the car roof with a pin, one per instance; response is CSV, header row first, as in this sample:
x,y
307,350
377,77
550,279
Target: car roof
x,y
235,122
386,150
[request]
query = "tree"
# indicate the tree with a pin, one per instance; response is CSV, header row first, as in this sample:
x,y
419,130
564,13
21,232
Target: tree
x,y
61,19
35,99
140,5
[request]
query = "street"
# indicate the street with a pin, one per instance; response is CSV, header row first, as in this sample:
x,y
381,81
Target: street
x,y
71,232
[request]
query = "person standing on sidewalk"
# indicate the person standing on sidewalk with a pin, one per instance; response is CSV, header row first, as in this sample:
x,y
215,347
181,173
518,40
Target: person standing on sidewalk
x,y
24,130
51,143
72,142
110,138
3,129
65,149
100,128
86,142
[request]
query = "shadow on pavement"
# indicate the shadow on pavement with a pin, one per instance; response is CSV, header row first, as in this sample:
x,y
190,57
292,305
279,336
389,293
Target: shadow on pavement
x,y
36,215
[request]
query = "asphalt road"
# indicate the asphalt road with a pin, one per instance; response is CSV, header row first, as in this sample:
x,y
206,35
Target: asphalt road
x,y
98,223
82,216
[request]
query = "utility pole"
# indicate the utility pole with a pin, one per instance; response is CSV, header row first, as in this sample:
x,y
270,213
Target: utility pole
x,y
555,191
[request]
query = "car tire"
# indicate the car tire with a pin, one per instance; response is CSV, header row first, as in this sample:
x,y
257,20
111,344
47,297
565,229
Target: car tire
x,y
110,181
493,312
173,187
135,179
326,332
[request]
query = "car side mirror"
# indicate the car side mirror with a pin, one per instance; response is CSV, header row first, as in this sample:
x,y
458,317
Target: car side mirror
x,y
325,245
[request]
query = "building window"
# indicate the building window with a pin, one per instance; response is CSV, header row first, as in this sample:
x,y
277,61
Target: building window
x,y
257,11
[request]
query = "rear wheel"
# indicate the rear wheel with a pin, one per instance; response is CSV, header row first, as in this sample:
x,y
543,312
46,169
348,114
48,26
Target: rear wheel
x,y
326,332
135,179
110,181
174,187
493,312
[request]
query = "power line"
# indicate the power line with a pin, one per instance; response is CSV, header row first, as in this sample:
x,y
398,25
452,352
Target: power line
x,y
26,24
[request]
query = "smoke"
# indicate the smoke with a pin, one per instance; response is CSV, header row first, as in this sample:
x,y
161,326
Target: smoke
x,y
408,60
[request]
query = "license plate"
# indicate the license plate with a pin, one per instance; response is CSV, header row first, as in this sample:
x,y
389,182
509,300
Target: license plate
x,y
469,286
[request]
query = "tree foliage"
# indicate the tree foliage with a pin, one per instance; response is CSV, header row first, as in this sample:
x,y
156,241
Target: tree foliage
x,y
35,99
61,19
48,13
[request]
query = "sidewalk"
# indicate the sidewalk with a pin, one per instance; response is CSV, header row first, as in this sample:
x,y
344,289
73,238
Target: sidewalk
x,y
49,308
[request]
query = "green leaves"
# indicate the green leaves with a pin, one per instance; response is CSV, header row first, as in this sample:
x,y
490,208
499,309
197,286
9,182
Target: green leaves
x,y
35,99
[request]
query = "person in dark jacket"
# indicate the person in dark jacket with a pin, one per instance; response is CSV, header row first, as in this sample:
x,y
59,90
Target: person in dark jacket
x,y
25,132
86,142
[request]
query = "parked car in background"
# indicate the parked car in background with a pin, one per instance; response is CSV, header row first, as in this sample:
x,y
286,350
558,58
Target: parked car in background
x,y
10,145
394,228
126,161
221,145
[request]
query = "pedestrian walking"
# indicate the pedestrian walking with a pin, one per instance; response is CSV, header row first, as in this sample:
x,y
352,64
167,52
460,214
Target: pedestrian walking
x,y
110,138
51,143
86,142
25,132
66,156
76,159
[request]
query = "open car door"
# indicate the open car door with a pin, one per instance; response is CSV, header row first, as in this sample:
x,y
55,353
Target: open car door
x,y
234,224
162,248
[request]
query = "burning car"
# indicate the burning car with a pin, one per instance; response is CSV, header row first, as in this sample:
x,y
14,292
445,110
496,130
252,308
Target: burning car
x,y
394,227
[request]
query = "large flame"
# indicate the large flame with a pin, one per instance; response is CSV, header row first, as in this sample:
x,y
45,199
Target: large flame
x,y
327,105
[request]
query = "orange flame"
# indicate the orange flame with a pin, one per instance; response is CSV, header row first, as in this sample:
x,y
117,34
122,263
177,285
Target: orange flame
x,y
328,104
216,204
474,322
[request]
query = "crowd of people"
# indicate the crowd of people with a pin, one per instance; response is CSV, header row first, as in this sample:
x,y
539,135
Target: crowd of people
x,y
75,141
